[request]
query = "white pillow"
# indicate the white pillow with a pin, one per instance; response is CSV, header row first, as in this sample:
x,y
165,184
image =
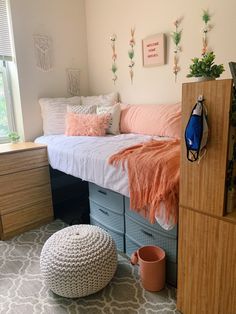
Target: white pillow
x,y
89,109
114,111
106,100
53,112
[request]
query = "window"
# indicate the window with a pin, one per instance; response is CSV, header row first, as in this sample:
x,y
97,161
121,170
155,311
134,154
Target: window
x,y
6,110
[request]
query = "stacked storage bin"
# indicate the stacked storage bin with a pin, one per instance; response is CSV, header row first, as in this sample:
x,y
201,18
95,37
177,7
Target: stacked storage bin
x,y
140,232
107,212
130,231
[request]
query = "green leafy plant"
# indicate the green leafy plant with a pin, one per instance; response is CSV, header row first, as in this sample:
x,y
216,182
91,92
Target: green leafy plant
x,y
205,67
14,136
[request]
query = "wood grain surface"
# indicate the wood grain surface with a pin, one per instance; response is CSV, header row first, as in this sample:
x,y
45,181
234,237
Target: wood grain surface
x,y
25,191
206,265
202,185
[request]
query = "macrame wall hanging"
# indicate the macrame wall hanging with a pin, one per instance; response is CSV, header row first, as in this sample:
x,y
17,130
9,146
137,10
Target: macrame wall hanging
x,y
43,52
73,81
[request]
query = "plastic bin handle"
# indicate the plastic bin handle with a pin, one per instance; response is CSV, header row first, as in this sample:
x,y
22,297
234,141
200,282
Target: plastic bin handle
x,y
147,233
103,211
102,192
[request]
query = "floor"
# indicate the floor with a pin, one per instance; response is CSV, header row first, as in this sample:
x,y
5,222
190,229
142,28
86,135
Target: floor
x,y
23,290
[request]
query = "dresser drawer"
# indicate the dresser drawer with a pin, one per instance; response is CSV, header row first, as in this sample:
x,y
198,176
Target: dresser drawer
x,y
20,219
118,237
20,181
106,198
155,227
143,235
23,160
9,203
171,267
107,217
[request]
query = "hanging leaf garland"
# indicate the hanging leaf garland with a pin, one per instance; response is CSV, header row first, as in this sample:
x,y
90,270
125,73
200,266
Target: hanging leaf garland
x,y
176,37
206,18
131,54
114,57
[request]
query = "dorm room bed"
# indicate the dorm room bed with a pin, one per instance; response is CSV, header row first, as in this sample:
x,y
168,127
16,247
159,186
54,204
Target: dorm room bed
x,y
86,157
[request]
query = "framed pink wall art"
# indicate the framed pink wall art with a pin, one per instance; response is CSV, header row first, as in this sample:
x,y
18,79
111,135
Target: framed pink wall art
x,y
154,50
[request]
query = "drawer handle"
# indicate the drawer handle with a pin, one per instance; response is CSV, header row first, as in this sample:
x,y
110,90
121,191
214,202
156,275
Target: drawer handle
x,y
103,211
147,233
102,192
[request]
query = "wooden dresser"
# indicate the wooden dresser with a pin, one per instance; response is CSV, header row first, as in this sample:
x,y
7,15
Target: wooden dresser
x,y
25,192
207,234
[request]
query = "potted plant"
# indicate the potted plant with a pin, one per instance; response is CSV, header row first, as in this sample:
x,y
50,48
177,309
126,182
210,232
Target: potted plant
x,y
205,68
14,137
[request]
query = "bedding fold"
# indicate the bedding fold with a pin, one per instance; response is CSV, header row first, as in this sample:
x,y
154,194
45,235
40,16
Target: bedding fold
x,y
153,173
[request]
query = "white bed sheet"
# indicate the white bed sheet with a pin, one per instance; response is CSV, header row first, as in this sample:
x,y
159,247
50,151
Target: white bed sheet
x,y
86,157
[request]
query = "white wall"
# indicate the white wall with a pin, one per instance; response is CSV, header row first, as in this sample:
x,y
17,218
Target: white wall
x,y
64,21
156,84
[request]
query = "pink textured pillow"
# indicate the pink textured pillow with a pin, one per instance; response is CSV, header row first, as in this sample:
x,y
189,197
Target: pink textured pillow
x,y
86,124
162,120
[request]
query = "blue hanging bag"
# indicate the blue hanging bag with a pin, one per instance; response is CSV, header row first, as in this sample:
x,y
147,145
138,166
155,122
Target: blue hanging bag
x,y
196,132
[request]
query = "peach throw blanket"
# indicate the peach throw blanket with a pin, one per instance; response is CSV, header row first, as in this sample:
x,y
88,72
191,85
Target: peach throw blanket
x,y
153,171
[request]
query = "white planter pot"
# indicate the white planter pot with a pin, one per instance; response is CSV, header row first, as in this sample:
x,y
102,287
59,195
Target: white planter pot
x,y
205,78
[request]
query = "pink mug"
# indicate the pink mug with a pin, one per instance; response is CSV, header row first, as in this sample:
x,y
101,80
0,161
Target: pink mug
x,y
152,262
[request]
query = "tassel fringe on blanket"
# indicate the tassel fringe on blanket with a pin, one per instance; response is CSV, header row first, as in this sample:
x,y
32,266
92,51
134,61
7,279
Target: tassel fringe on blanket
x,y
153,172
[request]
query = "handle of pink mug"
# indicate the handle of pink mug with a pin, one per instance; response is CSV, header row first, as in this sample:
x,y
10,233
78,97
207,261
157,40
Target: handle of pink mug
x,y
134,258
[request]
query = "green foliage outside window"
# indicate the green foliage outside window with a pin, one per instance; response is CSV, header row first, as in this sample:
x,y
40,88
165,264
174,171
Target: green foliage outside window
x,y
4,130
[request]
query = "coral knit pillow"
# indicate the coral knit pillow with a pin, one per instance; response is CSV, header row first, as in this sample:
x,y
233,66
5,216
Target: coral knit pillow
x,y
86,124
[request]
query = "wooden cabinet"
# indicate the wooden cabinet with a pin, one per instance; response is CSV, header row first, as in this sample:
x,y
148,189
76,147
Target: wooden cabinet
x,y
207,236
25,192
206,265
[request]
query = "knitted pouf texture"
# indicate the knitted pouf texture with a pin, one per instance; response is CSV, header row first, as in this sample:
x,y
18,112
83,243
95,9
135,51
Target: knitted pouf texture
x,y
78,260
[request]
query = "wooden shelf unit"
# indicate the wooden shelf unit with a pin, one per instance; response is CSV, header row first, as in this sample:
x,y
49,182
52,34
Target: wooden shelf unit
x,y
207,236
25,191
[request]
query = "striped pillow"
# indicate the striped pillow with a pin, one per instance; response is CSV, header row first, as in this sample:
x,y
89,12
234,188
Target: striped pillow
x,y
53,111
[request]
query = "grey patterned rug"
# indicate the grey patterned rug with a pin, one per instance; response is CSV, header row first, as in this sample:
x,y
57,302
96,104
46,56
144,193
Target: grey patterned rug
x,y
23,291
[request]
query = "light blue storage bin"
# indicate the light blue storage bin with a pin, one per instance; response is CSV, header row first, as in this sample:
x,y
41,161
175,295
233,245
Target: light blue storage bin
x,y
107,217
144,235
156,227
107,198
118,237
171,267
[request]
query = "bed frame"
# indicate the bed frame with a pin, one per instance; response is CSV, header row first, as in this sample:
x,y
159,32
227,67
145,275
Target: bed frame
x,y
69,197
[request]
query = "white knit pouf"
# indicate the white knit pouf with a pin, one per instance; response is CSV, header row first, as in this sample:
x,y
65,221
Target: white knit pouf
x,y
78,260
